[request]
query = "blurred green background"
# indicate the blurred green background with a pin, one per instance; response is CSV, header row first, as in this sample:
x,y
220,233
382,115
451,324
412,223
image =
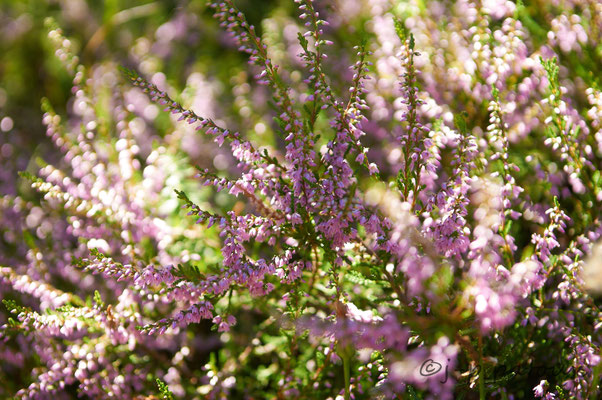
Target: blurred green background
x,y
180,36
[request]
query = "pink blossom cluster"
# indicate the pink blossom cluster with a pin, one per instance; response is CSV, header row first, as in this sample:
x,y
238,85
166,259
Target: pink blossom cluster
x,y
419,219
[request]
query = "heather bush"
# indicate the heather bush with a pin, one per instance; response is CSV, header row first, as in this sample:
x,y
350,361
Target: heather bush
x,y
391,200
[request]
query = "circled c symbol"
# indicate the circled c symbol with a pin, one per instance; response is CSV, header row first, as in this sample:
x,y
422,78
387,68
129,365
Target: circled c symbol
x,y
430,367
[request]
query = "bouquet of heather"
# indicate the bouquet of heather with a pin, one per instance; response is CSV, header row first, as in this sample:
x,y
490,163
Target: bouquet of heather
x,y
402,200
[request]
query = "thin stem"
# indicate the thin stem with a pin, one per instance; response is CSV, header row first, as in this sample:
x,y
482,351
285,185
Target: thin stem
x,y
481,371
347,373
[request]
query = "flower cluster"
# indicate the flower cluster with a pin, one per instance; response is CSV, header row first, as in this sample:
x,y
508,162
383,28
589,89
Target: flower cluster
x,y
411,215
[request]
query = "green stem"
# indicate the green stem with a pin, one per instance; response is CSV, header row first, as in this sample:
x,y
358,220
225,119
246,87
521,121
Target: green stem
x,y
481,371
347,377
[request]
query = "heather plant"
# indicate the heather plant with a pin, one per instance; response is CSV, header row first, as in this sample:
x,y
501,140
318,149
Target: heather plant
x,y
399,201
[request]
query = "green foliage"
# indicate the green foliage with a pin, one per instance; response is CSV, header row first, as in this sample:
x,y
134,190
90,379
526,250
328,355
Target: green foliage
x,y
164,391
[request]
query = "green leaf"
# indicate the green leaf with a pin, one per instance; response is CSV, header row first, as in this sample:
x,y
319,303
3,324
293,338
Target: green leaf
x,y
29,239
400,29
164,391
189,272
98,299
507,227
460,122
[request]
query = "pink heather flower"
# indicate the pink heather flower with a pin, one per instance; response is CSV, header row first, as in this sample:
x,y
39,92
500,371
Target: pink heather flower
x,y
373,169
540,389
